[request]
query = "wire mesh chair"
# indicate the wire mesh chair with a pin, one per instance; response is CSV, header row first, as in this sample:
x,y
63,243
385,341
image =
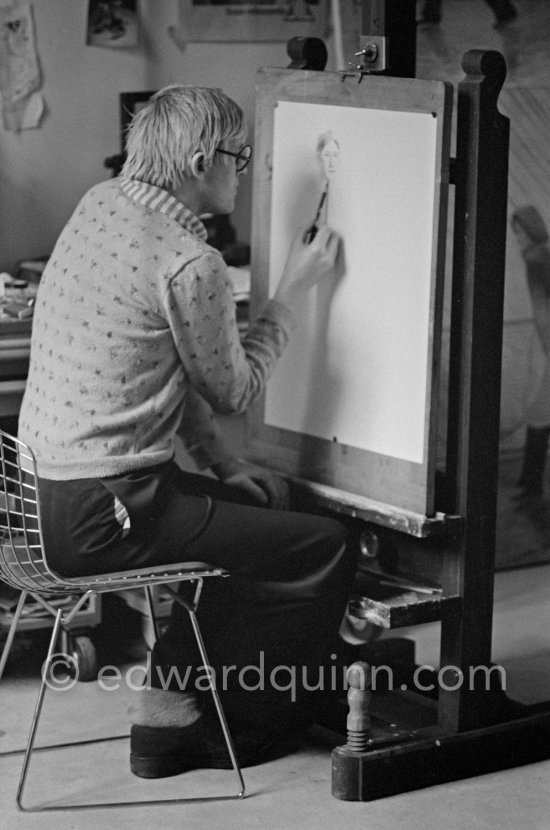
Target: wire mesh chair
x,y
23,566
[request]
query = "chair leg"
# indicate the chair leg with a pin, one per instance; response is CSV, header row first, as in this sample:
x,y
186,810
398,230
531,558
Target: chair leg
x,y
38,709
11,633
191,609
217,702
106,805
151,609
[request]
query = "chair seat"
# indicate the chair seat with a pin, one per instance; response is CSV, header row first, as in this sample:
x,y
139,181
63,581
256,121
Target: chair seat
x,y
22,558
158,574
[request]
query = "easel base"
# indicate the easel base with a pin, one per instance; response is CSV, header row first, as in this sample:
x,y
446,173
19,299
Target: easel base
x,y
435,758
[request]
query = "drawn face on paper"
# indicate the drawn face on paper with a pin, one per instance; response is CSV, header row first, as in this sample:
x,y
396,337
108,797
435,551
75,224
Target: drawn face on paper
x,y
328,154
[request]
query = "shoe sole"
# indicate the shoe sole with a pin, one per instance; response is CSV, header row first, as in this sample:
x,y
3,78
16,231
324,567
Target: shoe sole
x,y
153,767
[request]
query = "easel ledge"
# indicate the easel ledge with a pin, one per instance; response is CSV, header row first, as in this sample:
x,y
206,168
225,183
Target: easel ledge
x,y
360,507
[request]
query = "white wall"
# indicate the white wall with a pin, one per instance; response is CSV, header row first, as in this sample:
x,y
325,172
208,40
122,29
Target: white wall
x,y
45,171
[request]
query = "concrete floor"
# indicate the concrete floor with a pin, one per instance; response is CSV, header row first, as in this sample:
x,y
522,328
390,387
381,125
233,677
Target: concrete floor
x,y
292,792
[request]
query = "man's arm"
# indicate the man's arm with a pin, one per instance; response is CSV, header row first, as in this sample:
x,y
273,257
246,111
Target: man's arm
x,y
202,438
200,309
229,373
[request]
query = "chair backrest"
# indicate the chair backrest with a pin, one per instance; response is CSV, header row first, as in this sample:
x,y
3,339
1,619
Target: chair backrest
x,y
22,561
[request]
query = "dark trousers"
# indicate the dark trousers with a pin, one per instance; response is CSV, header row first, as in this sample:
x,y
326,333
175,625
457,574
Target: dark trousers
x,y
270,628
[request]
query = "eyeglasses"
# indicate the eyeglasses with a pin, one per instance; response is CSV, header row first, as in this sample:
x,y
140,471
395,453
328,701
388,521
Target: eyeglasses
x,y
243,157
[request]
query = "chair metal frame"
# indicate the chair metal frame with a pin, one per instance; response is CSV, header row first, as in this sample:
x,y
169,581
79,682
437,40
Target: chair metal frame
x,y
23,566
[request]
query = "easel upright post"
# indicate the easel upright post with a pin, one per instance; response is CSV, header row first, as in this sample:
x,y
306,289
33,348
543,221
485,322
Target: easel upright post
x,y
481,179
388,37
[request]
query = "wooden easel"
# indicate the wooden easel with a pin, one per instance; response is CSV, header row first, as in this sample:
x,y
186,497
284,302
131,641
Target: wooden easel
x,y
468,728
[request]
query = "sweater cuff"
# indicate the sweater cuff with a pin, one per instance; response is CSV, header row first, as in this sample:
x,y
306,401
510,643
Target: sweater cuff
x,y
279,314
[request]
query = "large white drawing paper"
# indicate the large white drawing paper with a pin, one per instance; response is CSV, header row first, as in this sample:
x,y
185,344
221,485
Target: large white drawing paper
x,y
356,370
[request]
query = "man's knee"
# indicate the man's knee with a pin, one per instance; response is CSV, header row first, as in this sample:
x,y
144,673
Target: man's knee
x,y
331,534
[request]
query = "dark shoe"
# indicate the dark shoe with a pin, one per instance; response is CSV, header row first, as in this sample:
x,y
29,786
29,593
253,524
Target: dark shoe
x,y
159,752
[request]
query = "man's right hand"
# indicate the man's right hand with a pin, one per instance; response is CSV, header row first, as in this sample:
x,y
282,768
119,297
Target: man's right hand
x,y
309,263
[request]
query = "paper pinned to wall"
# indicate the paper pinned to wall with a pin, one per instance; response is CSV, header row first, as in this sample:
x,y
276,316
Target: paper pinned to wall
x,y
20,76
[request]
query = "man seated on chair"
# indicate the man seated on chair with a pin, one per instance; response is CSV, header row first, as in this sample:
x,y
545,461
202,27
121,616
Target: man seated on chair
x,y
134,342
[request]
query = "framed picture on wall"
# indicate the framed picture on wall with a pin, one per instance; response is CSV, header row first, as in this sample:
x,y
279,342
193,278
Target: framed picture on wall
x,y
112,23
238,20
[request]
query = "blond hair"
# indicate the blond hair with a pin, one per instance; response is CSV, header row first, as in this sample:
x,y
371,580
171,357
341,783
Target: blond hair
x,y
177,122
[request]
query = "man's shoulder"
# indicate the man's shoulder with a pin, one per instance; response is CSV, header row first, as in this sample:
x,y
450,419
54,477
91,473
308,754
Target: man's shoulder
x,y
170,248
194,256
96,200
175,246
104,189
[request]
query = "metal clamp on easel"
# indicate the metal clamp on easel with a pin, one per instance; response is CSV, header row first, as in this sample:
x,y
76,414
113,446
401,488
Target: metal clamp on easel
x,y
388,40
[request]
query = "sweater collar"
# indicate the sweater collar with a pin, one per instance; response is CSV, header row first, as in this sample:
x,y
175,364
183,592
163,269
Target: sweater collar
x,y
155,198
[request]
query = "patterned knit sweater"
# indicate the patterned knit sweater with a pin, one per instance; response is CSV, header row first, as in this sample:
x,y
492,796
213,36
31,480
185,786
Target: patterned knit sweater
x,y
135,338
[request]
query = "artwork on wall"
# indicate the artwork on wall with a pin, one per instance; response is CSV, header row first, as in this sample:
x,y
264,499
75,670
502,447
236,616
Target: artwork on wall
x,y
20,75
237,20
112,23
352,403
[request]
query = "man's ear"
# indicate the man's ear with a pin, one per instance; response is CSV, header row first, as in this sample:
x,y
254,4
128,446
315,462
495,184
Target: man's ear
x,y
197,165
